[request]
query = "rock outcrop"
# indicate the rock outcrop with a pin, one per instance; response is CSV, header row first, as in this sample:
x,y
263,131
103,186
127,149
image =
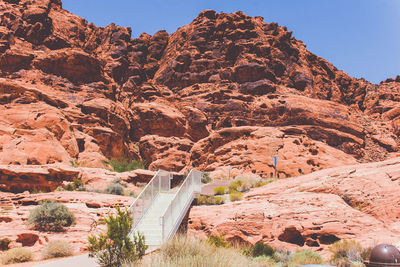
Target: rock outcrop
x,y
90,210
312,211
73,91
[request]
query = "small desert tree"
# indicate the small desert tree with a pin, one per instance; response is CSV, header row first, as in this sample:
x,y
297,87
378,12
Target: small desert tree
x,y
115,247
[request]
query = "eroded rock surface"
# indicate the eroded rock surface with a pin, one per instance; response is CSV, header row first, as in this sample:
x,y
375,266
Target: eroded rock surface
x,y
312,211
73,91
89,208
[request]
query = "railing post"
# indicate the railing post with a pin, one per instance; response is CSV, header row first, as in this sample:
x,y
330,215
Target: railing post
x,y
169,180
152,192
159,184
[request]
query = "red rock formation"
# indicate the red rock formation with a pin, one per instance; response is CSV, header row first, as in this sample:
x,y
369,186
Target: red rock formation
x,y
355,202
89,209
73,91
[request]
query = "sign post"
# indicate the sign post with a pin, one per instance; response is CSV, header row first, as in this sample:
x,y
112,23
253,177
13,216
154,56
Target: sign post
x,y
275,163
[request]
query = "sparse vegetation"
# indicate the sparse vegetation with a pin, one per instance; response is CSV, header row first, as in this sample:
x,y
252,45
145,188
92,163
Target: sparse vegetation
x,y
115,247
16,255
235,186
348,253
115,188
206,178
187,252
220,190
4,244
76,185
124,165
261,249
218,240
243,183
57,248
78,163
235,196
210,200
216,251
304,257
132,194
51,216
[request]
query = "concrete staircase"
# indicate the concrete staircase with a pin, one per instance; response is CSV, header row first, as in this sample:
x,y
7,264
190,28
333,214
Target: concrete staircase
x,y
159,209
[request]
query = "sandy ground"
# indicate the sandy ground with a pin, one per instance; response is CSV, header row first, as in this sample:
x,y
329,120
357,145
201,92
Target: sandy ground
x,y
79,260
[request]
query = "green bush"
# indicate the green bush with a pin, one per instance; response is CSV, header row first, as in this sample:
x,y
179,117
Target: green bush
x,y
218,240
235,186
57,248
124,165
348,253
206,178
305,257
235,196
220,190
4,243
243,183
210,200
16,255
261,249
115,247
51,216
115,189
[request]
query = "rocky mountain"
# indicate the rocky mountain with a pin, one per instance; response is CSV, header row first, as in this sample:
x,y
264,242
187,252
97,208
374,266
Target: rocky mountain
x,y
225,90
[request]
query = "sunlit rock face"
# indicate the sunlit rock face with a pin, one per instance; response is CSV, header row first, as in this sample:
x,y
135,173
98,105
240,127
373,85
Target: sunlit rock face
x,y
73,91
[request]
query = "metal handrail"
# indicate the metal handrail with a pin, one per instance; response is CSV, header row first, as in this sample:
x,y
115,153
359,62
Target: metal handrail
x,y
184,187
148,188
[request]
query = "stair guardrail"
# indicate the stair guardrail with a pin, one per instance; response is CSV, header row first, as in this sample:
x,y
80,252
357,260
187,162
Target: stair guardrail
x,y
161,182
173,216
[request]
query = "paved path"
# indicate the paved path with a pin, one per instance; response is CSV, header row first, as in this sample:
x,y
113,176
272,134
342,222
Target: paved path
x,y
76,261
208,189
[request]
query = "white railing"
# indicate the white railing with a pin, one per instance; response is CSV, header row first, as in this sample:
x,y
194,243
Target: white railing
x,y
173,216
161,182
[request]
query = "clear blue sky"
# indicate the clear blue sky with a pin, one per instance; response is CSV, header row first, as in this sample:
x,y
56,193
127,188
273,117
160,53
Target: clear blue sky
x,y
361,37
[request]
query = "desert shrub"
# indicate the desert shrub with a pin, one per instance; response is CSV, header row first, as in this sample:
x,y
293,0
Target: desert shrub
x,y
235,196
210,200
4,243
16,255
206,178
282,257
220,190
261,183
218,241
261,249
51,216
188,252
132,194
243,183
115,188
348,253
76,185
305,257
57,248
115,247
124,165
235,186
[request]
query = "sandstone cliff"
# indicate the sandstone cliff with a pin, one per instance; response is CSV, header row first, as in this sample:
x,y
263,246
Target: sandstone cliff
x,y
227,89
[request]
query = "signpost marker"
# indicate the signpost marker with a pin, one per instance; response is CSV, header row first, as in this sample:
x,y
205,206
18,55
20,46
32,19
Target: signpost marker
x,y
275,163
